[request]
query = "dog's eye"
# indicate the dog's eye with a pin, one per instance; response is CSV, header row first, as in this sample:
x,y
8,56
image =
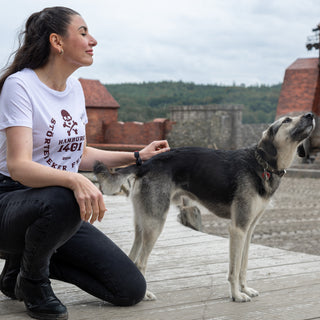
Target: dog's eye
x,y
287,120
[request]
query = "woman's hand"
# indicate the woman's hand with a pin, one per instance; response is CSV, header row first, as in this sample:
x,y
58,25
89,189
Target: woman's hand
x,y
19,157
153,149
89,198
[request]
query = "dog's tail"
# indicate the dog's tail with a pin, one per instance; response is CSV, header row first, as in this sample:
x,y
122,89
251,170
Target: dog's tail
x,y
111,183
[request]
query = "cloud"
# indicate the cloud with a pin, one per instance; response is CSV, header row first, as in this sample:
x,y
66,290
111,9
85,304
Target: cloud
x,y
203,41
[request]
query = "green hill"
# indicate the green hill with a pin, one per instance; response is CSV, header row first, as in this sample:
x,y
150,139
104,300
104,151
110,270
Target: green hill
x,y
146,101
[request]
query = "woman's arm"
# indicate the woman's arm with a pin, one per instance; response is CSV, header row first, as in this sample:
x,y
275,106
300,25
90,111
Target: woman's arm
x,y
119,158
32,174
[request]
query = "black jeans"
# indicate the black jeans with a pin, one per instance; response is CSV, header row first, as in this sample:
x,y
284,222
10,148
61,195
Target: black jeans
x,y
43,225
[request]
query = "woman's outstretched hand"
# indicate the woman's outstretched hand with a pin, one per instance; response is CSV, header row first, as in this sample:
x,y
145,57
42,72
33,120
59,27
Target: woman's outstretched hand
x,y
153,149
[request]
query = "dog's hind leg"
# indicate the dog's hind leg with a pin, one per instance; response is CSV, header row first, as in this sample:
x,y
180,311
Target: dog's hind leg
x,y
150,234
150,217
136,247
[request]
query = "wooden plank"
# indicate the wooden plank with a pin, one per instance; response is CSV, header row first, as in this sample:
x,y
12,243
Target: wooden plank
x,y
187,271
269,306
173,298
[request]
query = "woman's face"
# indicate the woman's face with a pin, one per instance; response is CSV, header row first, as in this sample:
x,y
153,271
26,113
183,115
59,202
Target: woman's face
x,y
78,43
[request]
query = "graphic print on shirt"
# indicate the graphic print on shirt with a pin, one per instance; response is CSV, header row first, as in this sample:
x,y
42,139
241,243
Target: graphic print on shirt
x,y
68,150
68,122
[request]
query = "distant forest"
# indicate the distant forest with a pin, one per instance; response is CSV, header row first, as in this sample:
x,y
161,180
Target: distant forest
x,y
146,101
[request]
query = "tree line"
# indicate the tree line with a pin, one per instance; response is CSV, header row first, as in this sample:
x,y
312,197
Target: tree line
x,y
146,101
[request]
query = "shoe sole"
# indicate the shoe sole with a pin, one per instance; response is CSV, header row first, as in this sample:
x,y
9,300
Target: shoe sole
x,y
50,316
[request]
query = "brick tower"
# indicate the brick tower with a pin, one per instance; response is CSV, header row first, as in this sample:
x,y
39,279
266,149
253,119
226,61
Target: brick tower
x,y
300,91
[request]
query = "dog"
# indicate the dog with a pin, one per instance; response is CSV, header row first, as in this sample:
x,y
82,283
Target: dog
x,y
234,184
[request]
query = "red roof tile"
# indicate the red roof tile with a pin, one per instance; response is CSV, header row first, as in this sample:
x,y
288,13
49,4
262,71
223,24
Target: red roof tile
x,y
300,90
97,95
304,63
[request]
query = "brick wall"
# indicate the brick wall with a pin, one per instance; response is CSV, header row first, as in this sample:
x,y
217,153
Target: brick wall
x,y
97,119
136,132
300,93
101,108
300,89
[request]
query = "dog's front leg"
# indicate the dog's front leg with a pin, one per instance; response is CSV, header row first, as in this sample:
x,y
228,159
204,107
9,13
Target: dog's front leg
x,y
237,241
244,265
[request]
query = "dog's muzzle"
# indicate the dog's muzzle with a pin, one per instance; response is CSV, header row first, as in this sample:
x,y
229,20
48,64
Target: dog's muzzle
x,y
304,127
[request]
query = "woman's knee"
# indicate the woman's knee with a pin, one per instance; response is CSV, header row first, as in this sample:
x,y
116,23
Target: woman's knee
x,y
133,290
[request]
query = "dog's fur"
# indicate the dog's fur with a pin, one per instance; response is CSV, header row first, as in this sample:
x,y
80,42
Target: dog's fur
x,y
232,184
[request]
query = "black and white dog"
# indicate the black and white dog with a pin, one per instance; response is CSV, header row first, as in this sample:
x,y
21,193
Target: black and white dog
x,y
232,184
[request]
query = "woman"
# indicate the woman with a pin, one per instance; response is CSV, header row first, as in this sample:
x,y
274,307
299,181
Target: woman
x,y
46,207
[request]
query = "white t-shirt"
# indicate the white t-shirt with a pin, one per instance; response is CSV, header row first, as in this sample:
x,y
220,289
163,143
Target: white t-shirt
x,y
57,119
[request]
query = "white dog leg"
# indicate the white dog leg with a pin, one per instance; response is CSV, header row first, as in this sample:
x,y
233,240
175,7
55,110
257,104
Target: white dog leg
x,y
243,271
137,243
245,255
150,234
237,240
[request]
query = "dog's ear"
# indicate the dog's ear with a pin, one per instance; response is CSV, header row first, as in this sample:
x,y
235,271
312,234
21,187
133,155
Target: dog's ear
x,y
301,151
266,143
273,129
268,148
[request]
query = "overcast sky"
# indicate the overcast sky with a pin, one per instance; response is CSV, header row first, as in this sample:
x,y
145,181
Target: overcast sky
x,y
202,41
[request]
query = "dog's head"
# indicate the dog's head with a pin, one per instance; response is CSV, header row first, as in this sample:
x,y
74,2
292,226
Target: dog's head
x,y
279,142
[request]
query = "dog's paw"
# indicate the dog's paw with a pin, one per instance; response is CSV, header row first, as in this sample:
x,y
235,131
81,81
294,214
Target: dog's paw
x,y
149,296
250,292
240,297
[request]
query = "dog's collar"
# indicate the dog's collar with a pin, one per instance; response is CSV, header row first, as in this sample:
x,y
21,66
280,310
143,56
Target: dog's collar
x,y
267,169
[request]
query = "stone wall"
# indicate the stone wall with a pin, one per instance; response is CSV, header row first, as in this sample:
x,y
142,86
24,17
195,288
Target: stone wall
x,y
252,133
210,126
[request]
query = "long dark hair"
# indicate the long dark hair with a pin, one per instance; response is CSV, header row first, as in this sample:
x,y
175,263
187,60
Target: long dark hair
x,y
34,45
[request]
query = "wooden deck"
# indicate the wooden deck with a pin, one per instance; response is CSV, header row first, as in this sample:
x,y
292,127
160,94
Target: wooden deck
x,y
188,273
